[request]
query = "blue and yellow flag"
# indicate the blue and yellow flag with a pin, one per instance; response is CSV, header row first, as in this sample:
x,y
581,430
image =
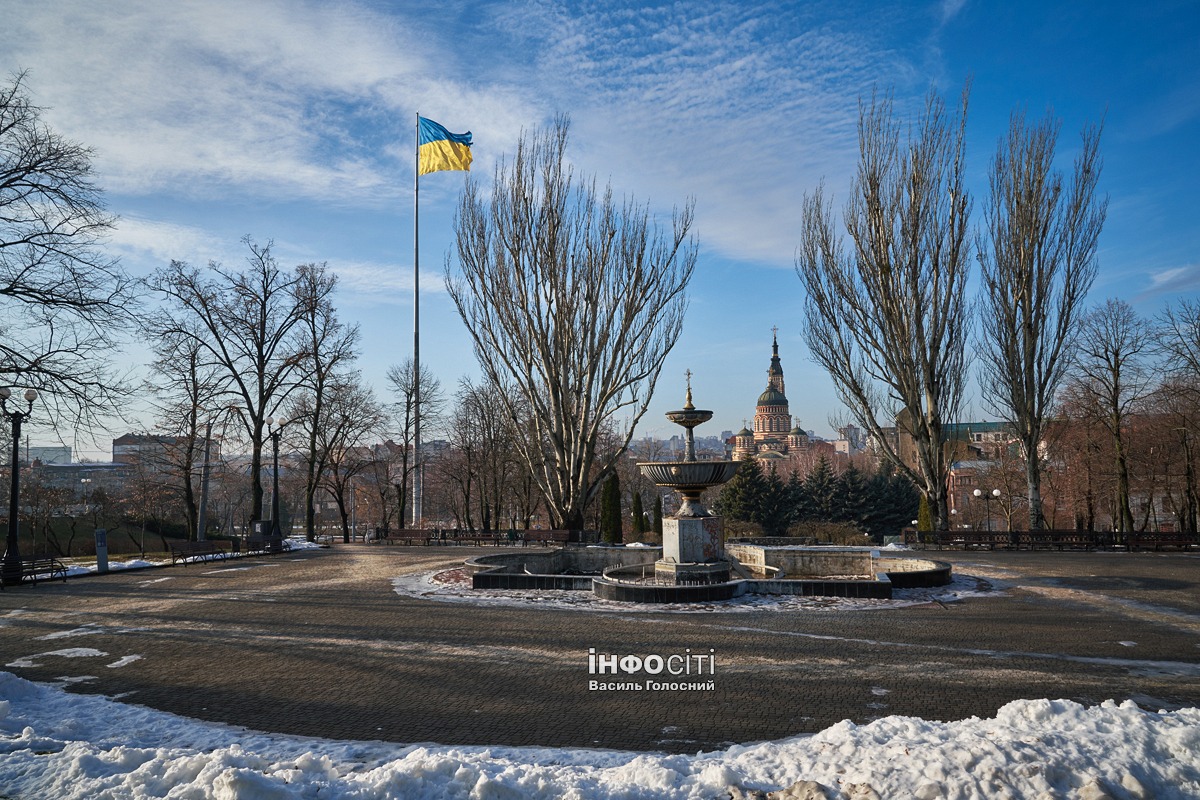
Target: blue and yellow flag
x,y
439,149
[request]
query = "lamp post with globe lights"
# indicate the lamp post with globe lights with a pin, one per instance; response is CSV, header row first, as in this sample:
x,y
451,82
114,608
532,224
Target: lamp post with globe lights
x,y
987,503
10,572
275,431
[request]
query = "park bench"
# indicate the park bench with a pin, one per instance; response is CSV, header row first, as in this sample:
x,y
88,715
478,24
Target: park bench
x,y
43,568
267,544
547,537
1161,539
1062,540
481,539
971,539
182,551
406,537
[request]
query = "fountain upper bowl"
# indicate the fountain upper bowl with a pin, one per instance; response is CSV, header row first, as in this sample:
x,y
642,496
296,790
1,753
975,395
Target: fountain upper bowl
x,y
694,475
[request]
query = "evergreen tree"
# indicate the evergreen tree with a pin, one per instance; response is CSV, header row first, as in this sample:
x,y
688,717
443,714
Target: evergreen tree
x,y
924,516
820,486
798,497
850,499
892,502
658,515
741,498
610,511
775,511
639,516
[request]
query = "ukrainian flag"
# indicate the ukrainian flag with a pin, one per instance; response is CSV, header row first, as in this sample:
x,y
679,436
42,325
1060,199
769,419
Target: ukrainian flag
x,y
439,149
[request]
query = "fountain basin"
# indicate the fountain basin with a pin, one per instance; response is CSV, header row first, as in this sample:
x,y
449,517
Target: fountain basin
x,y
688,476
630,574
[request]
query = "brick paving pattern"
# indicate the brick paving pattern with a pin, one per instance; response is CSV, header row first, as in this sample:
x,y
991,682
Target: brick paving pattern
x,y
317,643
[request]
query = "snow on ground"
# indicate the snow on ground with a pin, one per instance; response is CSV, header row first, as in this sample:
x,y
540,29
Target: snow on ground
x,y
454,586
76,568
69,746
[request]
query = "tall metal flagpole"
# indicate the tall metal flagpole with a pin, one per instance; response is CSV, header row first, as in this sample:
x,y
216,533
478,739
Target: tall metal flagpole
x,y
416,512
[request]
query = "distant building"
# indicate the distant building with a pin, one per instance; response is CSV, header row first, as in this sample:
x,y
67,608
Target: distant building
x,y
773,437
160,452
851,440
48,454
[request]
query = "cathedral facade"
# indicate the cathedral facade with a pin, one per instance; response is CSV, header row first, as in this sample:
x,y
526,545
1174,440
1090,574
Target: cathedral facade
x,y
773,438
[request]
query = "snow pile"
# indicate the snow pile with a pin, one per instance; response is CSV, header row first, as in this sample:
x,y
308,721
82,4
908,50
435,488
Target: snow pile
x,y
55,744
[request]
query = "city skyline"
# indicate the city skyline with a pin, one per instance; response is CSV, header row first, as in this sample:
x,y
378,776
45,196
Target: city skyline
x,y
293,122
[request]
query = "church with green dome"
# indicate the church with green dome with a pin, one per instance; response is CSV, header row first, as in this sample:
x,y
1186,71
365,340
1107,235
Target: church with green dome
x,y
773,437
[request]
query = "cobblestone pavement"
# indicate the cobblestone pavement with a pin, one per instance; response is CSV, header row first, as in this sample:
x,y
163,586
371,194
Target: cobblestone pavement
x,y
317,643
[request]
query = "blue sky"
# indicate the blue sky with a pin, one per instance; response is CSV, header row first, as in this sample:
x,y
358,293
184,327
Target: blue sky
x,y
293,122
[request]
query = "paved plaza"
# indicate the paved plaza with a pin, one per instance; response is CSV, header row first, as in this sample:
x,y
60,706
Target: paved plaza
x,y
318,643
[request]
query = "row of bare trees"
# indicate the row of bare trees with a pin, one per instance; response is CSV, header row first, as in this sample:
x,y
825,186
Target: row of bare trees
x,y
887,312
1118,449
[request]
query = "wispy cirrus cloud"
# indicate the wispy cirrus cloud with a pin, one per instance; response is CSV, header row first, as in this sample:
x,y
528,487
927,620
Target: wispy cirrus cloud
x,y
743,106
1185,278
280,99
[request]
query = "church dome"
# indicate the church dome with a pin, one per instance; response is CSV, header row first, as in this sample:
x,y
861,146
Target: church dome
x,y
745,432
772,397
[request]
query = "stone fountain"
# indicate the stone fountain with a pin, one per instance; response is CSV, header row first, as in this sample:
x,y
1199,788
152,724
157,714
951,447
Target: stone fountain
x,y
694,565
693,539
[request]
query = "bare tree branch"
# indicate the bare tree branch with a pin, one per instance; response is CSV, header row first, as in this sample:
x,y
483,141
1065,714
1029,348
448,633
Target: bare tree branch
x,y
574,299
63,302
243,323
1038,259
888,320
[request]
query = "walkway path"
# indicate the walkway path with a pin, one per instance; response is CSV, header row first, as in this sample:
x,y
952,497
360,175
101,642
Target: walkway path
x,y
318,643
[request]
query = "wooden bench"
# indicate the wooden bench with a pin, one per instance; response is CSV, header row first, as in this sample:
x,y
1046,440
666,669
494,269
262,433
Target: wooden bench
x,y
42,567
547,537
407,537
182,551
481,539
1159,540
971,539
1061,540
267,544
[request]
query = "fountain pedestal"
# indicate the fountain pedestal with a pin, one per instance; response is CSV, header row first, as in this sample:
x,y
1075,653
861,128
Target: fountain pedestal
x,y
693,550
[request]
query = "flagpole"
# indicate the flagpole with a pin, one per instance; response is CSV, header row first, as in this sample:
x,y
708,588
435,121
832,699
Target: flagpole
x,y
416,512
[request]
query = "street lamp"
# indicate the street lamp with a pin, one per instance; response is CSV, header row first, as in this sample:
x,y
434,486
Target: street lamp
x,y
987,503
10,572
275,431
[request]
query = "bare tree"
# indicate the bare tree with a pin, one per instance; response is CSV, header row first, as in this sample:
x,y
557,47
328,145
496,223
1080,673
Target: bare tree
x,y
1177,337
1114,345
481,466
244,324
888,320
62,300
402,379
351,417
327,347
576,301
1038,259
183,385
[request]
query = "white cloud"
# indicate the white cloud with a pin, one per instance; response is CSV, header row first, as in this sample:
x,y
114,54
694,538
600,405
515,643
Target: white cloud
x,y
266,97
147,240
1175,279
744,107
